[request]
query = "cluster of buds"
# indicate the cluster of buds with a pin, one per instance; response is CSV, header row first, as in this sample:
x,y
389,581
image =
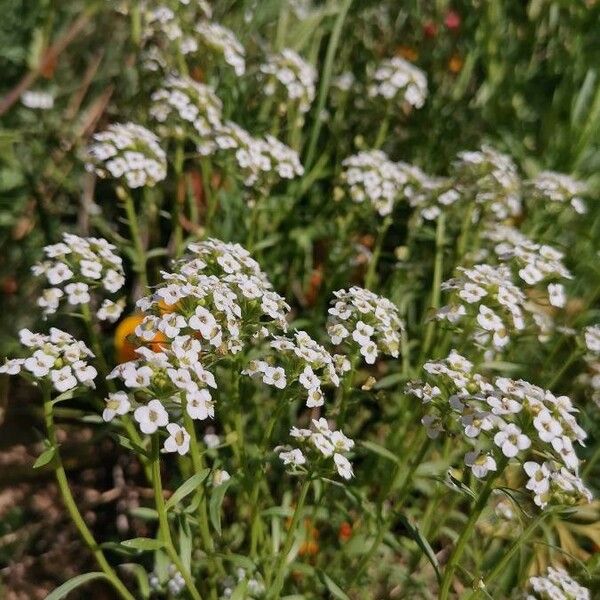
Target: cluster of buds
x,y
492,180
397,79
57,359
299,360
182,102
130,153
290,78
557,584
557,189
535,263
365,322
318,443
509,419
222,41
372,177
260,161
77,266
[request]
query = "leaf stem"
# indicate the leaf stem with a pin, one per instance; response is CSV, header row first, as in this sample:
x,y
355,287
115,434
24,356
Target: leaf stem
x,y
163,520
69,501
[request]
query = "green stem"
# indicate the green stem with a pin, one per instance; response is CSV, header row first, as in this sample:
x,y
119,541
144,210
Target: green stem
x,y
277,586
437,282
517,543
209,197
559,375
466,533
177,235
163,520
136,238
371,276
382,131
325,82
104,370
344,392
69,501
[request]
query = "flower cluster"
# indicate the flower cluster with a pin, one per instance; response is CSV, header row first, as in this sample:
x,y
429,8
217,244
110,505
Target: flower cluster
x,y
57,358
299,359
181,102
166,380
226,312
592,339
506,419
535,263
260,160
492,179
557,188
37,100
254,586
222,41
371,176
321,442
557,584
130,153
396,78
291,78
75,267
429,195
365,321
488,295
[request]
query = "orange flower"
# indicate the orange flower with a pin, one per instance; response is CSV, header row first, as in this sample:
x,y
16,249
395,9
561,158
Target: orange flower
x,y
345,531
310,548
124,346
407,52
455,64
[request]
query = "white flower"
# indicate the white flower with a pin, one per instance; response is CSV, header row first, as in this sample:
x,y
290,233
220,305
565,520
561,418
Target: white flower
x,y
220,476
274,376
137,377
488,319
117,403
178,440
40,363
84,372
480,464
539,477
322,444
63,379
211,440
510,439
113,281
343,466
308,379
293,457
151,416
315,398
557,295
58,273
110,311
199,405
547,426
77,293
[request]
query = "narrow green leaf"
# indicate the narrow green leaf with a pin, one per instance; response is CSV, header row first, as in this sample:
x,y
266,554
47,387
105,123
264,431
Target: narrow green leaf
x,y
45,457
240,591
186,488
333,587
141,576
143,544
214,507
377,449
417,536
75,582
185,542
389,381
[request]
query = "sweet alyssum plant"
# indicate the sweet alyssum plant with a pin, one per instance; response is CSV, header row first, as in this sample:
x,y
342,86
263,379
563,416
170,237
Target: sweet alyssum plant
x,y
348,446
